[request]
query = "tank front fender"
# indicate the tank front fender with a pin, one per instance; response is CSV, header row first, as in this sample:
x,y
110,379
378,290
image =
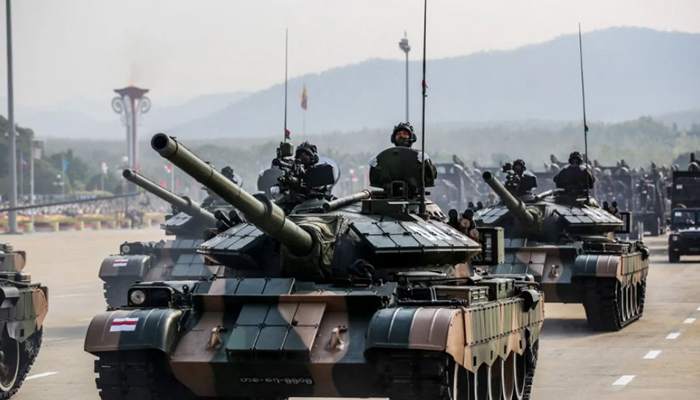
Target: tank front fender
x,y
134,266
629,267
133,330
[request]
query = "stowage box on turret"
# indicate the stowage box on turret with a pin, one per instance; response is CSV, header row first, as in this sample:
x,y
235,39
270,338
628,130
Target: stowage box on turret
x,y
23,307
567,242
354,297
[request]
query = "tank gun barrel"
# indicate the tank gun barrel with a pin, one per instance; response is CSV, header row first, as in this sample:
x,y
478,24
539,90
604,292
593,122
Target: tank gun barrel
x,y
349,199
514,204
258,210
183,204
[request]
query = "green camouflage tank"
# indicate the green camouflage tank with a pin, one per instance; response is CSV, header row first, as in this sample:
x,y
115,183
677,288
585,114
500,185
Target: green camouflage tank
x,y
174,259
23,307
352,297
568,245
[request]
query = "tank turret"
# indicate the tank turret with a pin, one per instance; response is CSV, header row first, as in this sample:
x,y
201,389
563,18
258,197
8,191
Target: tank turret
x,y
515,205
183,203
258,210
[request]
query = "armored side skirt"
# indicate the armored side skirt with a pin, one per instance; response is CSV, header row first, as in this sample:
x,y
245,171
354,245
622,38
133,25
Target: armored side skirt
x,y
305,346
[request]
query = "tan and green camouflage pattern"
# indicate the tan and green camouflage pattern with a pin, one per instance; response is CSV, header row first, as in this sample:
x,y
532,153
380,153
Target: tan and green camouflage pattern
x,y
251,335
23,305
318,303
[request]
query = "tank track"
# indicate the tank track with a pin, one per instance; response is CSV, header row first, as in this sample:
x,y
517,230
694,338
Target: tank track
x,y
29,350
416,375
602,308
137,375
531,367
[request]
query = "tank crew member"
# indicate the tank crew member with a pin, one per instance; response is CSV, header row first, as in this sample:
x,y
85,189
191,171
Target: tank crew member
x,y
470,205
307,154
467,226
404,136
528,180
606,206
575,177
614,210
228,172
480,205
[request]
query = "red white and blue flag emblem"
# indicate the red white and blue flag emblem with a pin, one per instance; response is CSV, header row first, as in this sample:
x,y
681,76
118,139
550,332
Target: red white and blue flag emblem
x,y
124,325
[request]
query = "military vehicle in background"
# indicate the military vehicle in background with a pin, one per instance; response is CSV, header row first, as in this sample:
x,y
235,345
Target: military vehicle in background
x,y
175,259
454,186
567,244
685,204
361,296
23,307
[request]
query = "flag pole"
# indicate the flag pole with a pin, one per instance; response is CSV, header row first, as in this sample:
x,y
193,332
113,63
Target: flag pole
x,y
421,209
286,54
585,124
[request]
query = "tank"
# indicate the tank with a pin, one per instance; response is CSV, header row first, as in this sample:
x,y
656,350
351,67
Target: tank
x,y
354,297
568,244
23,307
173,259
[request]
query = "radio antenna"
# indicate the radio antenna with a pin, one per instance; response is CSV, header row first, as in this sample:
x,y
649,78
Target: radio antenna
x,y
421,208
585,124
286,52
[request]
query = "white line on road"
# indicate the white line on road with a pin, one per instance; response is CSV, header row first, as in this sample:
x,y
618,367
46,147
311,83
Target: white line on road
x,y
624,379
62,296
652,354
689,320
44,375
673,335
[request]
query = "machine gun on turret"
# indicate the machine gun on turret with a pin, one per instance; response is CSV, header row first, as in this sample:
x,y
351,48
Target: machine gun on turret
x,y
299,182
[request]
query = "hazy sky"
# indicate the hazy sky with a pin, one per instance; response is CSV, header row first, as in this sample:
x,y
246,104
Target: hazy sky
x,y
183,48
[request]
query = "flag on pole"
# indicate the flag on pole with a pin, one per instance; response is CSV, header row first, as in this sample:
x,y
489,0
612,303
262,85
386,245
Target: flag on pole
x,y
585,127
287,134
168,168
64,164
162,182
304,99
25,166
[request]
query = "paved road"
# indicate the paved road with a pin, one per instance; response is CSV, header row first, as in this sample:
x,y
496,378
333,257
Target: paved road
x,y
575,364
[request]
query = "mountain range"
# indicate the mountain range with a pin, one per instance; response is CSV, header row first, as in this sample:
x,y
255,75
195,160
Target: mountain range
x,y
628,72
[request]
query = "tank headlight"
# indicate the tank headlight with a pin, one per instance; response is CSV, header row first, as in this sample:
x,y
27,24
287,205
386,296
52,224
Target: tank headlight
x,y
125,249
137,297
674,238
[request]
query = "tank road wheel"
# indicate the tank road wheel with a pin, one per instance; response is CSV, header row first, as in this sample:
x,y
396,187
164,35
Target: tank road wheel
x,y
482,383
520,376
9,366
498,380
138,375
508,374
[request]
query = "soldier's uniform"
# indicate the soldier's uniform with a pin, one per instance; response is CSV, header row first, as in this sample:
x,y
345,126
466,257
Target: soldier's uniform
x,y
528,180
575,178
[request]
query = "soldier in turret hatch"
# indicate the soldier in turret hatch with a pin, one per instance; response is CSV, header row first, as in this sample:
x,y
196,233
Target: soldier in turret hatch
x,y
575,177
614,210
307,154
404,136
528,180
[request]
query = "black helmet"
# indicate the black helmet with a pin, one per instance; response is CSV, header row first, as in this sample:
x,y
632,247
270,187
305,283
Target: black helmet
x,y
575,156
614,204
521,162
468,214
404,126
309,149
